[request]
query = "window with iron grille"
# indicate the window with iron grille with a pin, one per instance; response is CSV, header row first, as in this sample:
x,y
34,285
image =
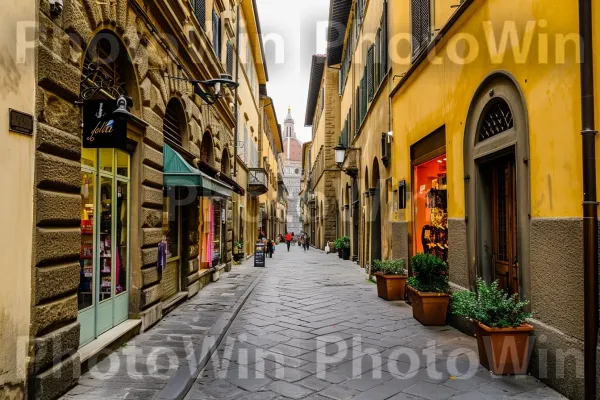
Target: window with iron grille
x,y
497,118
173,121
200,11
216,26
229,59
370,73
421,24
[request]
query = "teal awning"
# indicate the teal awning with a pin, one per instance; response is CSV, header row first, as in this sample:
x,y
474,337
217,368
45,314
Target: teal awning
x,y
178,172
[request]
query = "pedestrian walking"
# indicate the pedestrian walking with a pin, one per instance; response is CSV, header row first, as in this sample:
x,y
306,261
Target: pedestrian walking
x,y
306,243
288,240
270,248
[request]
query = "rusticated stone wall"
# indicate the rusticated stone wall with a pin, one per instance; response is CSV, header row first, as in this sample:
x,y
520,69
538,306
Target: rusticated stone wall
x,y
63,41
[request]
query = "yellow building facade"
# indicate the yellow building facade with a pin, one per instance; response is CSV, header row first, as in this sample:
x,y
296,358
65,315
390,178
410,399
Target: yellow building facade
x,y
461,128
17,66
487,159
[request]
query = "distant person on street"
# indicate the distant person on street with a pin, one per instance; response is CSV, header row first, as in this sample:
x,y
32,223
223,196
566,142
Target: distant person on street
x,y
270,248
306,243
288,240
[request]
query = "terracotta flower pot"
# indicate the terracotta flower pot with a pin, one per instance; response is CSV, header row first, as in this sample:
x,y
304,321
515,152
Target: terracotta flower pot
x,y
430,309
391,287
505,351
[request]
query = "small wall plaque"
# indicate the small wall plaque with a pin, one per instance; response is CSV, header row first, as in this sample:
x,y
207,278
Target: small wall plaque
x,y
20,122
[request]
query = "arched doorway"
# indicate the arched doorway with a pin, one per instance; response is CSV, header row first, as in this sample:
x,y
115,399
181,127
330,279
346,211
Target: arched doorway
x,y
375,193
498,191
355,218
181,216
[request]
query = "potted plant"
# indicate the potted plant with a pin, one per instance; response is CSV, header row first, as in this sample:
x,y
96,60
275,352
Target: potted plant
x,y
238,250
504,340
338,247
428,289
391,279
345,245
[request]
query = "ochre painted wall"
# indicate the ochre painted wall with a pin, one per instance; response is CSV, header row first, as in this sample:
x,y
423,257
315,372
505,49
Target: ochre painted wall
x,y
439,94
16,211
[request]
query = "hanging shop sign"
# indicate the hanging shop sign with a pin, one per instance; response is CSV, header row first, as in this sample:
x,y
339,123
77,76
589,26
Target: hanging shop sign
x,y
101,127
20,122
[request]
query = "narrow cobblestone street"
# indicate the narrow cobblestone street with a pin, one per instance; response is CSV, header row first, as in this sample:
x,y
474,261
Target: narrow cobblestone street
x,y
312,327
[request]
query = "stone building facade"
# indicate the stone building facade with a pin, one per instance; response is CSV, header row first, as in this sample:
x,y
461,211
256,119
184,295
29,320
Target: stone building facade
x,y
147,52
323,175
292,172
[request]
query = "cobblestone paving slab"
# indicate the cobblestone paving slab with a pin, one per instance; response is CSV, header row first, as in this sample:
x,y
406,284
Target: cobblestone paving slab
x,y
143,367
314,329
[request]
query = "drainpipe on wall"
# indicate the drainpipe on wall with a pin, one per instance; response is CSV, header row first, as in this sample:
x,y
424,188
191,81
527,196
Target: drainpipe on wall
x,y
237,80
590,204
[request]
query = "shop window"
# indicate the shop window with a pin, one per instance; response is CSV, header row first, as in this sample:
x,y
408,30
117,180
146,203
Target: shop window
x,y
431,208
104,257
171,222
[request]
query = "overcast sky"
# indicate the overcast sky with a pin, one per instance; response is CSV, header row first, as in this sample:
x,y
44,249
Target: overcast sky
x,y
294,25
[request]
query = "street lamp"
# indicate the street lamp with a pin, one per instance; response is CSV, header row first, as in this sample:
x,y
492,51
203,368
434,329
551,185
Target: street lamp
x,y
214,87
340,154
122,112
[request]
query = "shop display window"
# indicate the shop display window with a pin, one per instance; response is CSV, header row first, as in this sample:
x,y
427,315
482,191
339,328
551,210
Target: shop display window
x,y
104,256
430,205
217,239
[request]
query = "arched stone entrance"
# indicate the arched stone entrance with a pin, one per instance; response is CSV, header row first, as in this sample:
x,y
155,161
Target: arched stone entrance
x,y
497,188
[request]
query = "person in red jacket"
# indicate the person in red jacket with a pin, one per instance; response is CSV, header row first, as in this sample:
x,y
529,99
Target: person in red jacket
x,y
288,240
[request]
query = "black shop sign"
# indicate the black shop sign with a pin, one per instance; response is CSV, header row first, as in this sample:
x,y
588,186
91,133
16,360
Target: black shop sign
x,y
100,127
259,254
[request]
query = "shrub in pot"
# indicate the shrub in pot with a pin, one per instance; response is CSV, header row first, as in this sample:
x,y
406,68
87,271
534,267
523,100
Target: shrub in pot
x,y
391,279
428,289
504,339
345,245
338,247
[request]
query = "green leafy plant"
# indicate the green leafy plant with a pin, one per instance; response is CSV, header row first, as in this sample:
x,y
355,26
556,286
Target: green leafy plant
x,y
430,274
389,267
338,243
239,245
345,242
490,306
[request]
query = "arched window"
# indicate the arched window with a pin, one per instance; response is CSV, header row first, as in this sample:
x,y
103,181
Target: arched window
x,y
497,118
174,123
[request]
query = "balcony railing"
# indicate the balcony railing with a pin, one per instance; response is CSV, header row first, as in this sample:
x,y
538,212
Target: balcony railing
x,y
257,181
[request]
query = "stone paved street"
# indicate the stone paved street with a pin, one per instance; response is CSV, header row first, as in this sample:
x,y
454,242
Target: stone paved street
x,y
312,328
305,300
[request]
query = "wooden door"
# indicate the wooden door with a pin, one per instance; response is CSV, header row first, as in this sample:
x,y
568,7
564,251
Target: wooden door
x,y
504,224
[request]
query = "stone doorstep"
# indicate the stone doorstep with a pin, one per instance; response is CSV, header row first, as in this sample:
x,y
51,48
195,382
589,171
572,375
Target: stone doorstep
x,y
111,339
217,272
173,302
